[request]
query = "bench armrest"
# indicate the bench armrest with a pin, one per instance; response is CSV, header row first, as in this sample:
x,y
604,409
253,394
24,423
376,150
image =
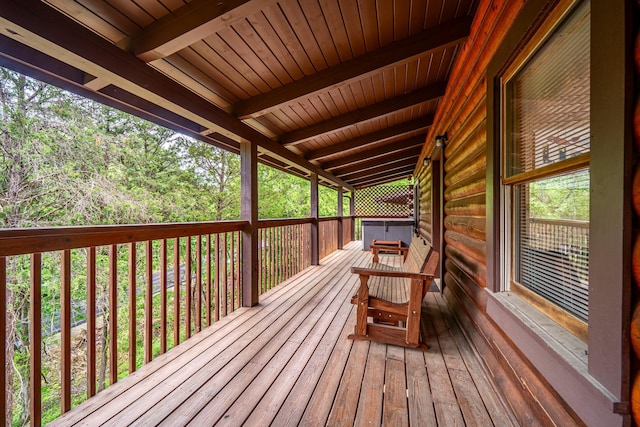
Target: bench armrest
x,y
363,271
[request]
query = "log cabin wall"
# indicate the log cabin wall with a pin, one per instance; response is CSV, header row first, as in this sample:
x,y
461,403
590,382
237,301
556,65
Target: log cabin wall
x,y
463,115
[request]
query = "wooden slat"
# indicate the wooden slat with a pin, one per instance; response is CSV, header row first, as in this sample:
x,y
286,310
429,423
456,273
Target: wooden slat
x,y
113,314
132,307
187,291
3,342
176,291
35,339
198,290
208,267
148,303
91,321
163,296
65,331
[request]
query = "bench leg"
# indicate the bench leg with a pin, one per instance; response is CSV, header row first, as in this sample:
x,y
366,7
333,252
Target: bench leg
x,y
413,313
362,307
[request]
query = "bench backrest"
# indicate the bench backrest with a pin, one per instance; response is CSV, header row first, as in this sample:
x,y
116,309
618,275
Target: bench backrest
x,y
418,254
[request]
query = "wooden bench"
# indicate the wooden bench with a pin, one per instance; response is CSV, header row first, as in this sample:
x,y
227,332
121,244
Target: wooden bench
x,y
392,297
386,246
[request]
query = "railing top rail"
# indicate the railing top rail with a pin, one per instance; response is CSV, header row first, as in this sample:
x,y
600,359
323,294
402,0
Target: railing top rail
x,y
268,223
20,241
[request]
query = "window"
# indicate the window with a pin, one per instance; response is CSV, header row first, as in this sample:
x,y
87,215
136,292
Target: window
x,y
546,136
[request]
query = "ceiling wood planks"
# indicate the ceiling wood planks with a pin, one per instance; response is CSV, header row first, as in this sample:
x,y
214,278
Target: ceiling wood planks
x,y
319,85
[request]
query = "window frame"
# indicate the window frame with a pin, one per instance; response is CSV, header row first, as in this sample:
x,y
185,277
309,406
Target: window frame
x,y
602,373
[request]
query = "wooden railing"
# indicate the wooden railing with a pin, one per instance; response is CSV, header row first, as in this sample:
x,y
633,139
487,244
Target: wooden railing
x,y
284,250
86,306
66,289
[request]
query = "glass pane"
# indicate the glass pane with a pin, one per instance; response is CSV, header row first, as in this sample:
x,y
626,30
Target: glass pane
x,y
548,100
552,240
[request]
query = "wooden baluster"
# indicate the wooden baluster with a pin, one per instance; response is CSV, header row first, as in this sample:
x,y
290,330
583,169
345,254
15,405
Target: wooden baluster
x,y
218,299
91,322
225,296
176,291
260,263
163,296
198,283
208,279
113,313
3,342
65,330
132,306
148,303
239,266
233,270
187,321
35,338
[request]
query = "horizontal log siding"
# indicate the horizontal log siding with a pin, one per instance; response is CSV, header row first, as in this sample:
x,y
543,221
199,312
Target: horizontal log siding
x,y
463,115
426,208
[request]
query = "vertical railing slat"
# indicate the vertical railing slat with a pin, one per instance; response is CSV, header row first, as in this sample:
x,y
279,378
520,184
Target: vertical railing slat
x,y
3,342
176,291
225,296
113,313
148,303
208,279
233,270
217,278
163,296
187,320
132,306
65,330
35,339
91,322
198,283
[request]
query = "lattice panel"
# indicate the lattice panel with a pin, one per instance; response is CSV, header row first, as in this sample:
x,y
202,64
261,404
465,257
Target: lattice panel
x,y
385,201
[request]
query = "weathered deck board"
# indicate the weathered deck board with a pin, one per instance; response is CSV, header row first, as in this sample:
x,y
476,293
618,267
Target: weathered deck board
x,y
288,362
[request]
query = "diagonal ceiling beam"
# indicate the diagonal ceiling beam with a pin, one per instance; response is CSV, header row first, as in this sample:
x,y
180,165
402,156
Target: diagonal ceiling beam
x,y
189,24
420,124
431,40
383,150
387,167
40,27
369,164
390,106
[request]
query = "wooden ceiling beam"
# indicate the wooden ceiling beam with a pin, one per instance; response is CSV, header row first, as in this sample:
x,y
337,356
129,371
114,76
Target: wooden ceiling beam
x,y
416,125
389,176
382,180
383,150
431,40
369,164
188,24
386,167
42,28
379,110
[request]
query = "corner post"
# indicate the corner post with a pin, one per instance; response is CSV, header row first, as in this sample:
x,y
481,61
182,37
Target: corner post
x,y
249,213
315,238
340,213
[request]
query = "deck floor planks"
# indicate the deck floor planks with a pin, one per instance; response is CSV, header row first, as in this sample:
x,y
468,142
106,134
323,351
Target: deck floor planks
x,y
288,361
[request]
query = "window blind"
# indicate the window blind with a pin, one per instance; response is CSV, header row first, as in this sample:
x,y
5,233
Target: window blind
x,y
552,230
548,117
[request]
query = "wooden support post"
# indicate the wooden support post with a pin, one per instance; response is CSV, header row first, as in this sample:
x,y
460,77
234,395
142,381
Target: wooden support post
x,y
352,213
315,240
340,213
249,213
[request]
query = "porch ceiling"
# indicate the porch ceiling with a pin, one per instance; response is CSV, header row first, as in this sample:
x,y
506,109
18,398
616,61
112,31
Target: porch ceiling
x,y
342,89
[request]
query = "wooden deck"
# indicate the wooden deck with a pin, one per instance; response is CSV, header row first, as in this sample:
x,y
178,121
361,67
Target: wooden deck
x,y
288,362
